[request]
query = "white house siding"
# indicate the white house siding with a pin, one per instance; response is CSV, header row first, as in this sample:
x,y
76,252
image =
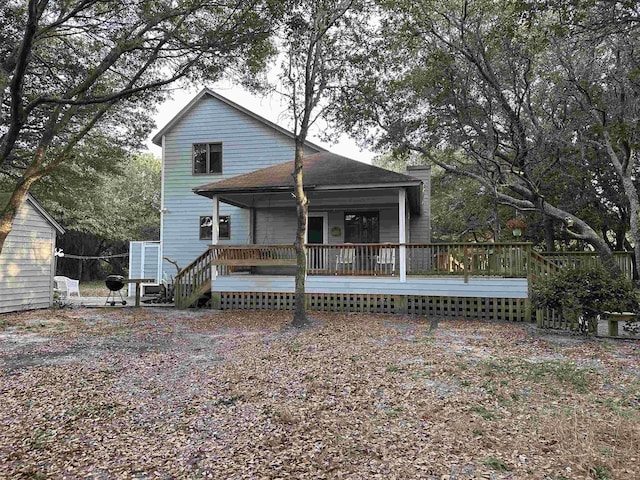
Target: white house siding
x,y
151,252
247,145
336,219
489,287
27,263
135,259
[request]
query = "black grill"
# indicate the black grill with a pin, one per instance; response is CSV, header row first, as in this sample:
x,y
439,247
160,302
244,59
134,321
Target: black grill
x,y
114,283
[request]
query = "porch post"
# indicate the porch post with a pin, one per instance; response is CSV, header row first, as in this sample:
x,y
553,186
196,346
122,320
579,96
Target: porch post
x,y
215,217
215,235
402,233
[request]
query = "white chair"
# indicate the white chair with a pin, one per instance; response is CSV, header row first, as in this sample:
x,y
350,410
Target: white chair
x,y
386,258
345,257
67,286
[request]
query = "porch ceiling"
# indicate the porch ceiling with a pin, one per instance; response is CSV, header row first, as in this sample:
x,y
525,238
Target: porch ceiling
x,y
318,199
323,172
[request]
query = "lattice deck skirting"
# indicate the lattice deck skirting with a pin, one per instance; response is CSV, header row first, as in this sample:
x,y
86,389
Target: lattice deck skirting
x,y
510,309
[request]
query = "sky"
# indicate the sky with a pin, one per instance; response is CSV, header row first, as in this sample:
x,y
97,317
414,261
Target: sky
x,y
269,107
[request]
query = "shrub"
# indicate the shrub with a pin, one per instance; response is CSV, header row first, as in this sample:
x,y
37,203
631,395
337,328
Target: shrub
x,y
582,293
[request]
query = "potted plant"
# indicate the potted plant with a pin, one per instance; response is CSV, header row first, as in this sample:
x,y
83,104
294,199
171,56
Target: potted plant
x,y
517,225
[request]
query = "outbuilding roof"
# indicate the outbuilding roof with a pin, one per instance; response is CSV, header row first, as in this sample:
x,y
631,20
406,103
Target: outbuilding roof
x,y
321,171
5,197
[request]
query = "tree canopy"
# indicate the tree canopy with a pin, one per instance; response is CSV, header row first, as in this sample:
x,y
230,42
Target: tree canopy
x,y
75,72
541,99
118,204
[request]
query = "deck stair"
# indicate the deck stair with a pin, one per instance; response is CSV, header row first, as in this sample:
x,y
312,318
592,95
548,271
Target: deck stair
x,y
194,281
541,266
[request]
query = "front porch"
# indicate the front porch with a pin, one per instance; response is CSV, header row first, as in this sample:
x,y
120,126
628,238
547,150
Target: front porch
x,y
481,280
485,281
356,212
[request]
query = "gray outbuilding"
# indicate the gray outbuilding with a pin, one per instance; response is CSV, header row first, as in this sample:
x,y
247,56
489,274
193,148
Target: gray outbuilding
x,y
27,261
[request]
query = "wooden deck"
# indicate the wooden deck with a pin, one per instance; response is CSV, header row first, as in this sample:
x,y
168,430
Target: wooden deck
x,y
481,280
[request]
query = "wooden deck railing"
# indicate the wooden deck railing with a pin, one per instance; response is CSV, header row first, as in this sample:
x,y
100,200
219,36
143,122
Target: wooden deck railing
x,y
541,267
624,260
353,259
228,257
381,259
484,259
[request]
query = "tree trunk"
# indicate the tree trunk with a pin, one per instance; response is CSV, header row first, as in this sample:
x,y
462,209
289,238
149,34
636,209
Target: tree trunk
x,y
19,195
627,246
10,211
634,210
549,234
300,313
624,169
588,235
496,221
581,230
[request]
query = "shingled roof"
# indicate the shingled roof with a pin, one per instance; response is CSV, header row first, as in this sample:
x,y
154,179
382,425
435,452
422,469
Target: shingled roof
x,y
322,170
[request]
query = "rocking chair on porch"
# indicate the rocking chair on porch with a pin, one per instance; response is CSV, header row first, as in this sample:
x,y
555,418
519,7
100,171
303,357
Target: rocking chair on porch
x,y
345,259
386,260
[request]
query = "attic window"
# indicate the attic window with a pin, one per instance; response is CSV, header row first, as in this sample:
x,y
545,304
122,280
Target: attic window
x,y
207,158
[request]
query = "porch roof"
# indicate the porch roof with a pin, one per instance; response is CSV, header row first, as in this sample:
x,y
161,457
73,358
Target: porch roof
x,y
323,171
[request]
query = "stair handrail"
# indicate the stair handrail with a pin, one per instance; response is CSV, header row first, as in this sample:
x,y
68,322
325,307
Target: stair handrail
x,y
191,278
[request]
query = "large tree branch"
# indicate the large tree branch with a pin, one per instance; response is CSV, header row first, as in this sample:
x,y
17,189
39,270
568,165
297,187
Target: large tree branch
x,y
123,46
17,115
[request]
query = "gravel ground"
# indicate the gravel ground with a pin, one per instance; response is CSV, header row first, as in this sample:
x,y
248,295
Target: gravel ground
x,y
161,393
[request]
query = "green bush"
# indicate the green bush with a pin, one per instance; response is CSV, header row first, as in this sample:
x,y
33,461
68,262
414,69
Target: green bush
x,y
580,294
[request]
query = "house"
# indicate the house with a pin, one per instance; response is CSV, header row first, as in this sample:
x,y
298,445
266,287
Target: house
x,y
229,219
27,261
211,138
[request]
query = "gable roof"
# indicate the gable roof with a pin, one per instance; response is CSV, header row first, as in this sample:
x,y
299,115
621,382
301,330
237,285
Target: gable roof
x,y
157,139
5,197
322,171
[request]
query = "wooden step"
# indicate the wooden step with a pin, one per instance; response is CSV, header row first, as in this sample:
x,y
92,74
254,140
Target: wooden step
x,y
191,299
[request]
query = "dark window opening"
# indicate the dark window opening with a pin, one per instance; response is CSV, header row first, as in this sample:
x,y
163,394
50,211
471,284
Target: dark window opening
x,y
315,231
224,227
206,227
207,158
361,227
